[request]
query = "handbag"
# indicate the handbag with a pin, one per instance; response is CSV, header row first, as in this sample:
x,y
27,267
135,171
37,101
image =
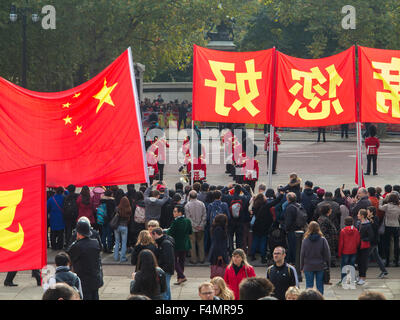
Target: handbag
x,y
218,270
114,223
327,276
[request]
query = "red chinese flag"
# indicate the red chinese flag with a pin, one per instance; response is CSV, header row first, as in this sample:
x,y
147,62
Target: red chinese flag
x,y
379,85
23,243
90,135
315,92
232,87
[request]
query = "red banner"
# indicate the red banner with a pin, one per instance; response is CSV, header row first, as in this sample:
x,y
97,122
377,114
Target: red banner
x,y
232,86
379,73
90,135
315,92
23,243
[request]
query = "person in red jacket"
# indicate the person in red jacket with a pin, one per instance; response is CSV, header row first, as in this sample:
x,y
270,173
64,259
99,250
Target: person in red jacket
x,y
372,144
276,143
349,241
152,163
251,172
237,270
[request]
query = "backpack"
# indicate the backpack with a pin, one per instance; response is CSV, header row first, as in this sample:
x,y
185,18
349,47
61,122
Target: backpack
x,y
301,216
139,216
236,208
277,238
101,213
215,210
70,208
269,271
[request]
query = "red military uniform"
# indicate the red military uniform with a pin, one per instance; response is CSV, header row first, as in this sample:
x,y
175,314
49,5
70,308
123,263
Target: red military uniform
x,y
152,164
199,169
372,144
277,142
251,172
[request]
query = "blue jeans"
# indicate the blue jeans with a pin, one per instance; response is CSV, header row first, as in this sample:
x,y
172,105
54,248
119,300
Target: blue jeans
x,y
121,236
106,236
167,294
260,244
319,279
347,259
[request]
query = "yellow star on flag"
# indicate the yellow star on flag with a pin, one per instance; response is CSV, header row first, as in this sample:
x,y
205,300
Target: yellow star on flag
x,y
66,105
105,95
78,130
77,95
68,120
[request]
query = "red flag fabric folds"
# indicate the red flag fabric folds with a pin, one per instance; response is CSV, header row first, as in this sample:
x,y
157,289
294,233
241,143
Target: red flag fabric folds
x,y
379,85
232,86
90,135
315,92
23,243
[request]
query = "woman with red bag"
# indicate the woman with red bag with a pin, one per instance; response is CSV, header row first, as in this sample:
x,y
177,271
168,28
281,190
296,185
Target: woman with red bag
x,y
218,254
366,235
237,270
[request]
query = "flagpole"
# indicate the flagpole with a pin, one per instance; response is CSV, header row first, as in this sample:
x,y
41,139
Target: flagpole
x,y
359,154
270,155
192,153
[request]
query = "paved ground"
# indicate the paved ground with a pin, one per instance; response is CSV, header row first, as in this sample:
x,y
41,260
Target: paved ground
x,y
328,165
117,279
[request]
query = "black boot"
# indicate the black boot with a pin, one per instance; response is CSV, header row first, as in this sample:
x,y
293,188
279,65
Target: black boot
x,y
36,275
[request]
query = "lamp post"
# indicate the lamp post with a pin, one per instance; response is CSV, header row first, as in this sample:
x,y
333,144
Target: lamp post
x,y
14,18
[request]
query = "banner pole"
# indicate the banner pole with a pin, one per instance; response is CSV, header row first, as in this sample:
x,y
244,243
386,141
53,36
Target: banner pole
x,y
359,155
192,153
270,155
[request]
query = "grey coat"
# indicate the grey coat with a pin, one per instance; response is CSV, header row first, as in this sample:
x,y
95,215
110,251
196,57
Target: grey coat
x,y
315,254
153,205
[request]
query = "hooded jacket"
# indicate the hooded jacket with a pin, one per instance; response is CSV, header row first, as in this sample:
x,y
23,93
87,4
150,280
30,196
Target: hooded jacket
x,y
349,240
153,205
315,253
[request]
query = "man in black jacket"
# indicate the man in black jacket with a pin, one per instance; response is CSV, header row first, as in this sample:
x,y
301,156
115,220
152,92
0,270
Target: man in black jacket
x,y
290,226
362,202
86,261
281,274
165,256
307,198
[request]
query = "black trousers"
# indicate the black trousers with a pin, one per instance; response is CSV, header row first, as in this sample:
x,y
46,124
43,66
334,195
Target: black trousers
x,y
389,233
363,255
373,158
345,130
11,275
161,170
274,160
235,229
321,130
69,226
90,295
180,120
57,239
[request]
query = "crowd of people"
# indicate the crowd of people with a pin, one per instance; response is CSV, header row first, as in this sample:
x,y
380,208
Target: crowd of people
x,y
227,227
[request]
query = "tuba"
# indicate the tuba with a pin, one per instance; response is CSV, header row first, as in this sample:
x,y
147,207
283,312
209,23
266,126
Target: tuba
x,y
184,173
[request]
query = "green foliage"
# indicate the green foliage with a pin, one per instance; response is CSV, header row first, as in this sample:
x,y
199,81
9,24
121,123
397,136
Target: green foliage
x,y
313,28
91,34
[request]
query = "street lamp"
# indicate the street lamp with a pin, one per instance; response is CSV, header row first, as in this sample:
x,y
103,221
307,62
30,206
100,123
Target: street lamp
x,y
14,12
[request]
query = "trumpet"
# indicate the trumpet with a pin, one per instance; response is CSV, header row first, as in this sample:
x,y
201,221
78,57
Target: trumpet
x,y
184,173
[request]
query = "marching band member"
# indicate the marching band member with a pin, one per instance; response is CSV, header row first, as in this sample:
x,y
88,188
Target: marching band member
x,y
276,141
372,144
161,144
152,162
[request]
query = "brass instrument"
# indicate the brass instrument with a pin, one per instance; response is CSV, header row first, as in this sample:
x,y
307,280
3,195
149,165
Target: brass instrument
x,y
184,173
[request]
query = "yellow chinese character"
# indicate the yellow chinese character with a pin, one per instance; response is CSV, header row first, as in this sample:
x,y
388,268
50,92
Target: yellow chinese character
x,y
334,81
391,82
245,99
11,241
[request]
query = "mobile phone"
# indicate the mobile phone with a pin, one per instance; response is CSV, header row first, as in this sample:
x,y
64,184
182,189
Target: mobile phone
x,y
343,186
